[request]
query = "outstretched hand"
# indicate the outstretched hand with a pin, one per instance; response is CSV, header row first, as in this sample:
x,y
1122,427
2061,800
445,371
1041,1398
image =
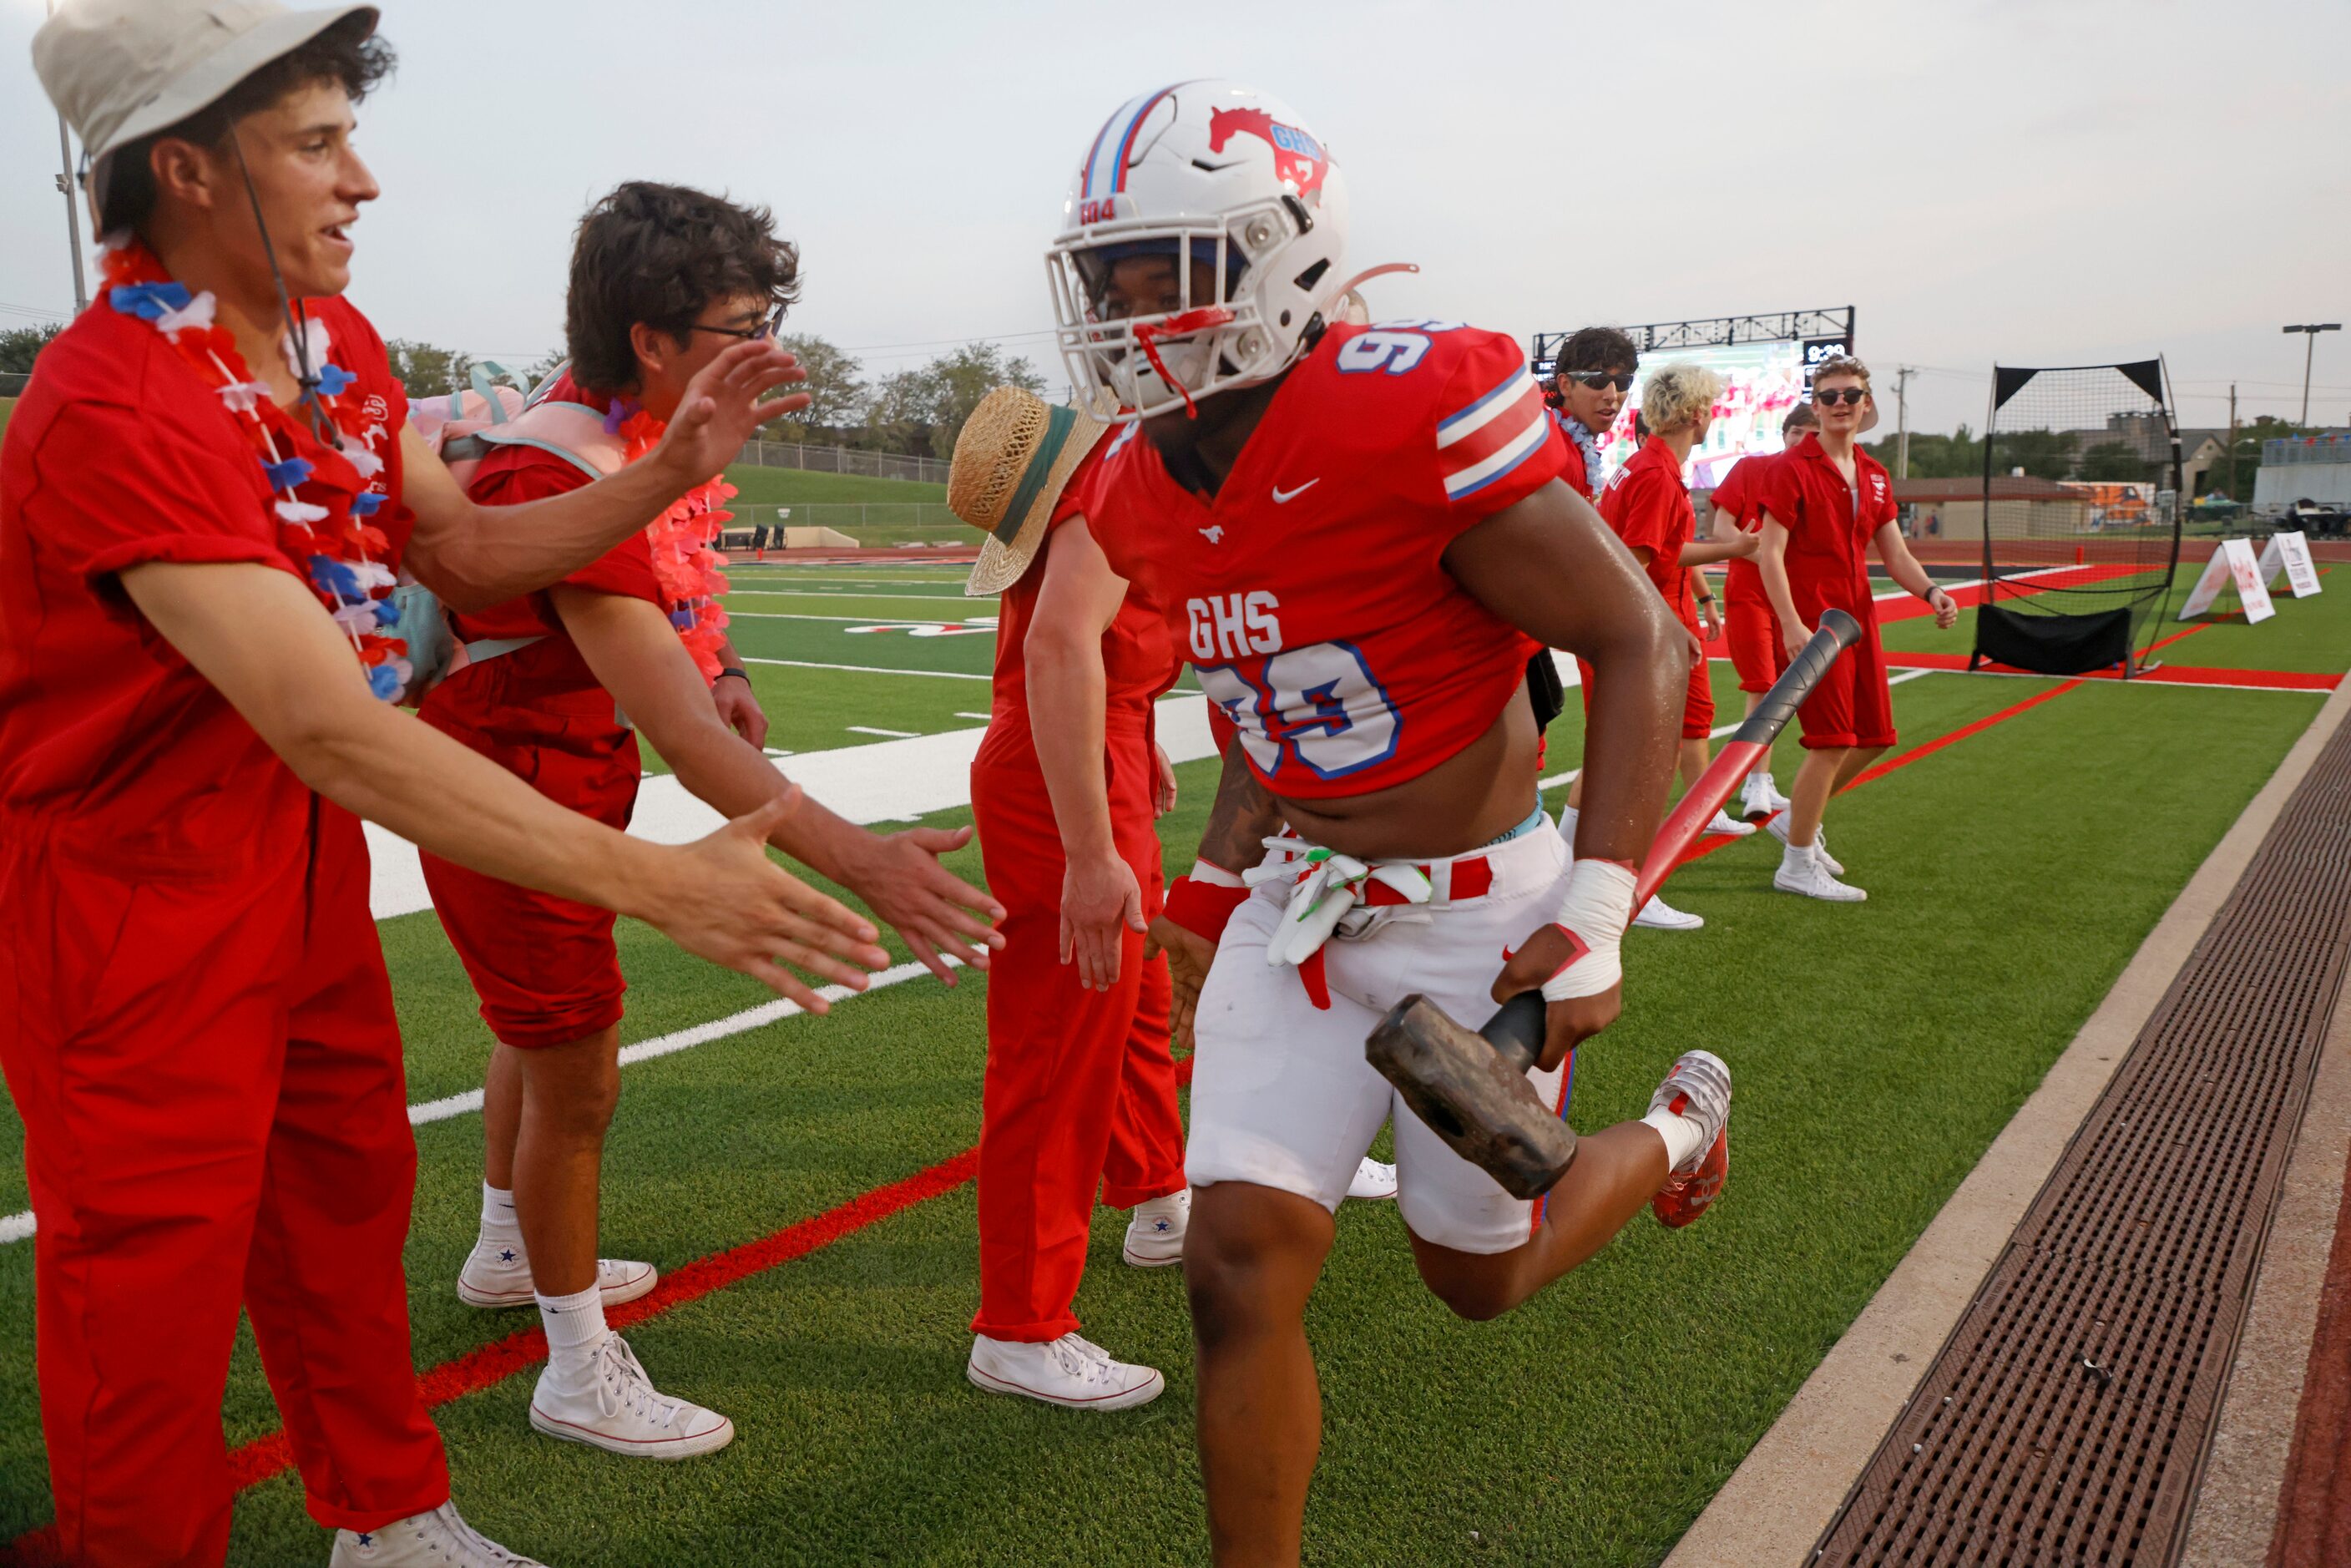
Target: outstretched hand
x,y
899,878
1567,1024
721,409
1189,954
721,898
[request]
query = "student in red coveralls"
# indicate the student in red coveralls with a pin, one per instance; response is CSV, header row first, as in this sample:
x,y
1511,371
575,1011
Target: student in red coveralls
x,y
1081,1090
1756,653
1825,503
194,1017
663,279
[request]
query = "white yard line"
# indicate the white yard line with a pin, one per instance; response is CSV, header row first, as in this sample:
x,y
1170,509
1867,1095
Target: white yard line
x,y
891,734
838,593
18,1227
867,669
857,620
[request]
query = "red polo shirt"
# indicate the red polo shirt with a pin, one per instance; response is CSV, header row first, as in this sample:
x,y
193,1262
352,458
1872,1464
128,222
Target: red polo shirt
x,y
1829,525
117,455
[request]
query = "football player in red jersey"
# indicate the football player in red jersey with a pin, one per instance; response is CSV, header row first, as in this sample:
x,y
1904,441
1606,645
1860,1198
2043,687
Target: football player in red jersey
x,y
1825,503
1755,651
1358,536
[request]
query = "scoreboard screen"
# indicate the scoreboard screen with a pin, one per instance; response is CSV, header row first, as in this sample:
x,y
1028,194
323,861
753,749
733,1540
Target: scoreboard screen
x,y
1761,381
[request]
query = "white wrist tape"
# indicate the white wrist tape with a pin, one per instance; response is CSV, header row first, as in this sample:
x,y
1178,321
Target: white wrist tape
x,y
1594,910
1214,875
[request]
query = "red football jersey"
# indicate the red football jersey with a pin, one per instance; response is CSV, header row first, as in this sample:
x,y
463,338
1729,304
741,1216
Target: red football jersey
x,y
1312,594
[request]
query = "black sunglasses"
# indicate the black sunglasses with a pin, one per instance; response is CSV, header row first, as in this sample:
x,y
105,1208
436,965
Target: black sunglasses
x,y
766,328
1836,396
1597,379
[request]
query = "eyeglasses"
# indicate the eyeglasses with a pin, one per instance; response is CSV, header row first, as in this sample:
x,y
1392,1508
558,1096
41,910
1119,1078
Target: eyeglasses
x,y
1832,396
766,328
1598,380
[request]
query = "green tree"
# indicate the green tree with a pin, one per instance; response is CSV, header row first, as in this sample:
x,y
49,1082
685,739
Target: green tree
x,y
2042,453
922,411
2112,461
20,346
1955,456
426,371
835,385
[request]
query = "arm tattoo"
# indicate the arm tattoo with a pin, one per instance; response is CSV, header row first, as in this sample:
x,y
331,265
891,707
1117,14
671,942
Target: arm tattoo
x,y
1244,813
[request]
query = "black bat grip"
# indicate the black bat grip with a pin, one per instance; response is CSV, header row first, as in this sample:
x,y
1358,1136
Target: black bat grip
x,y
1517,1029
1836,632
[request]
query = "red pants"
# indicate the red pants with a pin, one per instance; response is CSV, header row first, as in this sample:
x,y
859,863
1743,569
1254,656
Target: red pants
x,y
1081,1090
209,1073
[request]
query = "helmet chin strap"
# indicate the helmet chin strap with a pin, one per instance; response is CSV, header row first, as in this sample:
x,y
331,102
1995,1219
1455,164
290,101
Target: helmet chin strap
x,y
305,374
1198,319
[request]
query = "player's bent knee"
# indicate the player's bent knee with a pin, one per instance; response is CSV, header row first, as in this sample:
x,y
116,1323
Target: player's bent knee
x,y
1251,1255
1473,1288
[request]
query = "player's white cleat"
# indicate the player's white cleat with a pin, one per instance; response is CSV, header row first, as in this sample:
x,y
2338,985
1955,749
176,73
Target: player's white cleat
x,y
621,1411
1155,1236
1807,871
1069,1371
1758,797
1697,1088
1727,826
1658,915
1373,1180
1778,828
498,1275
436,1540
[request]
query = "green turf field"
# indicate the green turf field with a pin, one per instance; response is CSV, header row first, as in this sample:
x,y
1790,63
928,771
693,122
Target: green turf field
x,y
787,487
1879,1048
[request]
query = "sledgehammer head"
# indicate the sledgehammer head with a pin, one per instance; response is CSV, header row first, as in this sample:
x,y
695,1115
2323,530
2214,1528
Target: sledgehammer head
x,y
1471,1088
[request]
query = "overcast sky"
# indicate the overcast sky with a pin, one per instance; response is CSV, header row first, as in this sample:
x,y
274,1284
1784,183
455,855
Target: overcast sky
x,y
2046,182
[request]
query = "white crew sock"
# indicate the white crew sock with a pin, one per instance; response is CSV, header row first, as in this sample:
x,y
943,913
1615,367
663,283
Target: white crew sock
x,y
1796,857
575,1332
1567,815
498,1222
1681,1134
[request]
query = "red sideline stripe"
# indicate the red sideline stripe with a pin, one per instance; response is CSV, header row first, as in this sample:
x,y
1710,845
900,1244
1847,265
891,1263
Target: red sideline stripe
x,y
2169,675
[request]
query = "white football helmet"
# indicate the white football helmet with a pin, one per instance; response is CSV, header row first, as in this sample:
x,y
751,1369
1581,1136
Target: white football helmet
x,y
1232,179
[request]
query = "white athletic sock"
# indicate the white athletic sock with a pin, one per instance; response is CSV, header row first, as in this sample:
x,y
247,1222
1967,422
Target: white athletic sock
x,y
1681,1135
498,1222
1795,857
1567,815
575,1332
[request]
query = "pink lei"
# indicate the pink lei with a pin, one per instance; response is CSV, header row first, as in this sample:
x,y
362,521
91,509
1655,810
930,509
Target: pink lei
x,y
686,560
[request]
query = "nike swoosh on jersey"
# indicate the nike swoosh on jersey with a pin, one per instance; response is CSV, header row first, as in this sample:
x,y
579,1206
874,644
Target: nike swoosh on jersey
x,y
1281,495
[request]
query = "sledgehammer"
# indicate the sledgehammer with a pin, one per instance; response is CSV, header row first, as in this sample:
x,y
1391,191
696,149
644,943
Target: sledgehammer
x,y
1470,1086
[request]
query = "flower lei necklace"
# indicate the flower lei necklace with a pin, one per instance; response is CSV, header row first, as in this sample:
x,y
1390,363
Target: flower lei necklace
x,y
685,564
321,502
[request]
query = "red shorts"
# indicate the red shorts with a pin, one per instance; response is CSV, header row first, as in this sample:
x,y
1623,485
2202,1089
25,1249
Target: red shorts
x,y
1698,701
544,968
1852,706
1757,651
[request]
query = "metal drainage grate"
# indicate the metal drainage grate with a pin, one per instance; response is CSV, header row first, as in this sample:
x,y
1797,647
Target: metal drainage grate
x,y
2065,1420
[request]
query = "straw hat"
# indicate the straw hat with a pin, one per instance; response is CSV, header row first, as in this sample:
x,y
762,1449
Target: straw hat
x,y
121,69
1011,463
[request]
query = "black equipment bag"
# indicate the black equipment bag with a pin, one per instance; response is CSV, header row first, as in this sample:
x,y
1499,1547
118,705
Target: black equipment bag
x,y
2052,644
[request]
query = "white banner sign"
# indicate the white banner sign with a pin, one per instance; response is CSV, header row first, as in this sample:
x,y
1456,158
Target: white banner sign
x,y
2290,553
2232,565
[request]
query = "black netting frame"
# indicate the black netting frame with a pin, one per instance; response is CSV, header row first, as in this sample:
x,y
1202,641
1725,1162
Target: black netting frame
x,y
2071,583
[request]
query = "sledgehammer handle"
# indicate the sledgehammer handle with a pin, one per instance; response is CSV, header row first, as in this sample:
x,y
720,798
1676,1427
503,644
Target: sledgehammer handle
x,y
1517,1030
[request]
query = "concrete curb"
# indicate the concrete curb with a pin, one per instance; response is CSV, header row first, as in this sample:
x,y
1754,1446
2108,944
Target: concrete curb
x,y
1782,1495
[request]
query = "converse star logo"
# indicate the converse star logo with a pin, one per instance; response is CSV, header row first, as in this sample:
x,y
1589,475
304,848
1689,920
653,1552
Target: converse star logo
x,y
1281,495
1214,533
365,1539
507,1256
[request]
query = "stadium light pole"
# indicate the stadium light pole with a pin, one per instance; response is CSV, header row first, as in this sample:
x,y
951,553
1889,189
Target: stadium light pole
x,y
2310,346
65,188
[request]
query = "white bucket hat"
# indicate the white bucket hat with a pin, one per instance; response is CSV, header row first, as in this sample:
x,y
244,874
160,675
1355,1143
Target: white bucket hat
x,y
122,70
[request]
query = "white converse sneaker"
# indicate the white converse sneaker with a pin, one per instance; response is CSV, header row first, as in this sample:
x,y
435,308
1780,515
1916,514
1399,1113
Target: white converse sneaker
x,y
436,1540
1068,1371
1373,1180
1759,797
1809,874
498,1275
1727,826
1659,916
1778,828
1155,1236
621,1411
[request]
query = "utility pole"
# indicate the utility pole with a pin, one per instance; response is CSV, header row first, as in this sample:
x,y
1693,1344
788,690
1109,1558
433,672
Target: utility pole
x,y
2232,440
2310,346
1902,421
73,214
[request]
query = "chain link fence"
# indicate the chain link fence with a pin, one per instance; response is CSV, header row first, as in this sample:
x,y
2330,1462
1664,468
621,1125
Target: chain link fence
x,y
875,524
844,460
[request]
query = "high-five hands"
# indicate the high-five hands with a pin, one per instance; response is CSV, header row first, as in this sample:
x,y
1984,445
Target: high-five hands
x,y
721,898
721,409
899,878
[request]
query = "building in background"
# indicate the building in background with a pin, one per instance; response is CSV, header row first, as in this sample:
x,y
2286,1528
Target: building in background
x,y
2305,468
